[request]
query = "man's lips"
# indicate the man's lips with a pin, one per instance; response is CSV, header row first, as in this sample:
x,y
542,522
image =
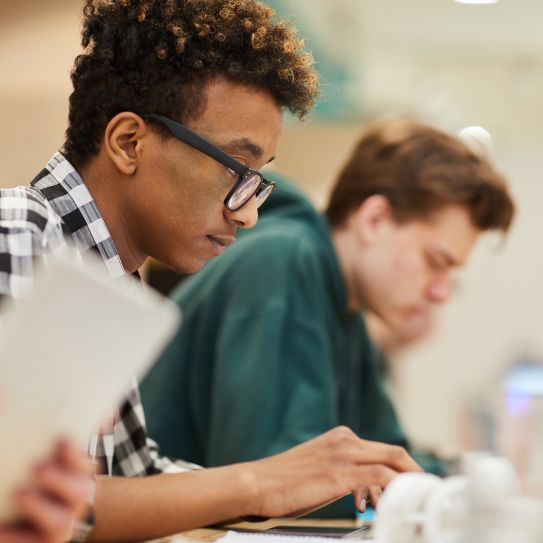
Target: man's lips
x,y
219,243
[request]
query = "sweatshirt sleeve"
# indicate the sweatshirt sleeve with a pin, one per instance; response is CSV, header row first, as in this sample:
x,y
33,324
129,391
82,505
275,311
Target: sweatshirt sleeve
x,y
271,385
272,370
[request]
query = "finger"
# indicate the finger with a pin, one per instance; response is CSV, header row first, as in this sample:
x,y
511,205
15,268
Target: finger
x,y
70,456
393,456
71,489
375,493
361,498
52,520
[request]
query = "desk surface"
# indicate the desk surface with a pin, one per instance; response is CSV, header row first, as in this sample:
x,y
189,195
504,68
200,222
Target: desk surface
x,y
211,534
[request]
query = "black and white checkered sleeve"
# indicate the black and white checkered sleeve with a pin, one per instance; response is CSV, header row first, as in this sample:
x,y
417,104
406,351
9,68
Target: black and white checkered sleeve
x,y
136,454
28,229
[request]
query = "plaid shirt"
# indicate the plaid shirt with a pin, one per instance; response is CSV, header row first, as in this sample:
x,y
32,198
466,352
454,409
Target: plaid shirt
x,y
37,219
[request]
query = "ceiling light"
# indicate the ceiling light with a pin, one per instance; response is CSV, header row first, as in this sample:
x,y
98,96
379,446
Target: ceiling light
x,y
476,1
477,139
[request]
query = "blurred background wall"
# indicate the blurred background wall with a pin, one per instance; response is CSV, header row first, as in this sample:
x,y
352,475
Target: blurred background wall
x,y
439,61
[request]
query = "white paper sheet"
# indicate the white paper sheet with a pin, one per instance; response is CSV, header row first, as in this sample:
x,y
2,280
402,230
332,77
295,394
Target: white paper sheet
x,y
240,537
67,356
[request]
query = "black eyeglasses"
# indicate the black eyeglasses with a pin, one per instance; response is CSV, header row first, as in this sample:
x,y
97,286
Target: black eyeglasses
x,y
250,182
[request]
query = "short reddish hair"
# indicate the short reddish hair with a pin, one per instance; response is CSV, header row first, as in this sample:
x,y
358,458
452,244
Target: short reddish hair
x,y
420,170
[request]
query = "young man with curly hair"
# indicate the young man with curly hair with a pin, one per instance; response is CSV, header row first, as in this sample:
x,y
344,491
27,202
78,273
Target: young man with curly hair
x,y
277,322
176,106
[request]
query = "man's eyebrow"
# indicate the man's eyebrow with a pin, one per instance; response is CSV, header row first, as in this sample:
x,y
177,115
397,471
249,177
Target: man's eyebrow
x,y
451,261
244,144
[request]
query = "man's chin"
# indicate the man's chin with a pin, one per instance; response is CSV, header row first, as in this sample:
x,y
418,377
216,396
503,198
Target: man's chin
x,y
190,268
184,267
408,324
418,325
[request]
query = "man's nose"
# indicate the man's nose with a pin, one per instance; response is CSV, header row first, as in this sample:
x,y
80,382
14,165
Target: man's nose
x,y
246,216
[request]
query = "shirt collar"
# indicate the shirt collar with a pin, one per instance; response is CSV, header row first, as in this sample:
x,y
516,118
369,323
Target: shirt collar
x,y
60,184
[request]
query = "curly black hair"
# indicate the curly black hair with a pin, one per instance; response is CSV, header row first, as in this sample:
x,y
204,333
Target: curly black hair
x,y
155,56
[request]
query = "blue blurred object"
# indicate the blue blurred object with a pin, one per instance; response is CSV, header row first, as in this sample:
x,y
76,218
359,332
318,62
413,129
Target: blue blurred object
x,y
523,383
524,379
367,516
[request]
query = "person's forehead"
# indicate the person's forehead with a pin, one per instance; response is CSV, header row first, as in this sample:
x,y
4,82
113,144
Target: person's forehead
x,y
238,103
241,118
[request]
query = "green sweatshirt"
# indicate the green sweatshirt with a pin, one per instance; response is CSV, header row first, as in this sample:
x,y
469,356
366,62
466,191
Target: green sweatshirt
x,y
268,355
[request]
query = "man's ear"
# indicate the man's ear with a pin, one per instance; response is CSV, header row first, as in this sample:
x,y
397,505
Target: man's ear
x,y
123,141
372,219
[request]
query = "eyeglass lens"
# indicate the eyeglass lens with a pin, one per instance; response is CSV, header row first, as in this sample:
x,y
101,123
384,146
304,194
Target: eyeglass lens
x,y
262,194
244,191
